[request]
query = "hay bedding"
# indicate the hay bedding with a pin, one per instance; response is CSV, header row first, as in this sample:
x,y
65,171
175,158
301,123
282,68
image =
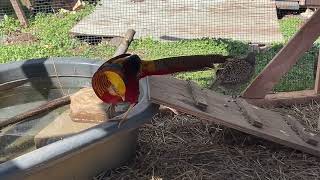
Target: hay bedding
x,y
182,147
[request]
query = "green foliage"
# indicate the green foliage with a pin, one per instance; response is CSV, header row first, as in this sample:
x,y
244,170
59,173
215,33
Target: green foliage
x,y
52,31
152,49
9,24
289,26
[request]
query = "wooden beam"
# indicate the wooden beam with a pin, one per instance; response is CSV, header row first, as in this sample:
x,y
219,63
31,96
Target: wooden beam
x,y
308,137
317,80
249,112
125,43
285,59
312,3
286,99
19,12
319,122
224,111
198,95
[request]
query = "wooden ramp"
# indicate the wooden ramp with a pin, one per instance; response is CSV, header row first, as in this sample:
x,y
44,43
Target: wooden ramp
x,y
233,113
245,20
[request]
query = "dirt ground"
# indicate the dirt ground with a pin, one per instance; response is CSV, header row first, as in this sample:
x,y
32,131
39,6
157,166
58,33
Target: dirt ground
x,y
18,38
182,147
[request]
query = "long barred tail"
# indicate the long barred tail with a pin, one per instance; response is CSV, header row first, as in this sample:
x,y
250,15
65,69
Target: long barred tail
x,y
180,64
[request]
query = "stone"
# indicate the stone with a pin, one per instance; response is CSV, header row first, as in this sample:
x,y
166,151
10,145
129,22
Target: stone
x,y
86,107
60,128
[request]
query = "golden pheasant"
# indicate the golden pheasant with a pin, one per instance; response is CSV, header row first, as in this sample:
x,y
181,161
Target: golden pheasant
x,y
117,80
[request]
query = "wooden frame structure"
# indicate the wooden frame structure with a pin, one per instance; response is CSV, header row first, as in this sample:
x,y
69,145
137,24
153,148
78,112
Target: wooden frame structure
x,y
234,113
19,11
310,3
257,91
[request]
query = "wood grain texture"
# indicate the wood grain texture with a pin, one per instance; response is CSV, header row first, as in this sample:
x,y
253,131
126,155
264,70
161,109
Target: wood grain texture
x,y
286,99
249,113
173,93
285,59
317,80
19,12
245,20
308,137
312,3
125,43
198,96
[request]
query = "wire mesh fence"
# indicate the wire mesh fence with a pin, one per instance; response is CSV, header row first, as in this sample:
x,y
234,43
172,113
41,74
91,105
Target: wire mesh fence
x,y
164,28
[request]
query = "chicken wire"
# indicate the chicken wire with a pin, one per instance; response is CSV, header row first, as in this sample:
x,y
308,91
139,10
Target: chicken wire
x,y
236,23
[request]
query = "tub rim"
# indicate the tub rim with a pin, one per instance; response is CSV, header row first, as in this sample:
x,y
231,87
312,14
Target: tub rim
x,y
51,154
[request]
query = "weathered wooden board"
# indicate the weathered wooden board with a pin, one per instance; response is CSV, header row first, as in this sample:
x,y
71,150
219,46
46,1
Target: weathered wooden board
x,y
317,80
221,109
312,3
249,112
285,59
19,12
198,95
286,98
245,20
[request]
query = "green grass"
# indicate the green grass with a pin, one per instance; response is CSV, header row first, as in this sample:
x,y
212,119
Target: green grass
x,y
289,26
52,30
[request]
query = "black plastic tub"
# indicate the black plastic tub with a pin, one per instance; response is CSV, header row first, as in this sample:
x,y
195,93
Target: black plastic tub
x,y
79,156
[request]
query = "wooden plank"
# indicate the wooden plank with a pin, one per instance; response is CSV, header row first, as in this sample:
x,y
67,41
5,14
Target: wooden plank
x,y
312,3
243,20
319,122
308,137
221,109
286,99
317,80
125,43
249,112
285,59
198,96
19,12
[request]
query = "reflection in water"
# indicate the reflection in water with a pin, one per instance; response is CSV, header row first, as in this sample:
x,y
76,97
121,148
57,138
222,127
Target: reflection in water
x,y
18,139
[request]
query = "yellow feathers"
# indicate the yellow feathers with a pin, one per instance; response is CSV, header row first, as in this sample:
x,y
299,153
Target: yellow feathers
x,y
117,83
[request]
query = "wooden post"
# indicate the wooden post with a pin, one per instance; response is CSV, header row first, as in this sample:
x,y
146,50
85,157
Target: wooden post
x,y
285,59
19,12
319,122
125,43
317,80
312,3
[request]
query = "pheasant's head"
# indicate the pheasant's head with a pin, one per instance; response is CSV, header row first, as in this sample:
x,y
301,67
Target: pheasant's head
x,y
109,85
117,80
